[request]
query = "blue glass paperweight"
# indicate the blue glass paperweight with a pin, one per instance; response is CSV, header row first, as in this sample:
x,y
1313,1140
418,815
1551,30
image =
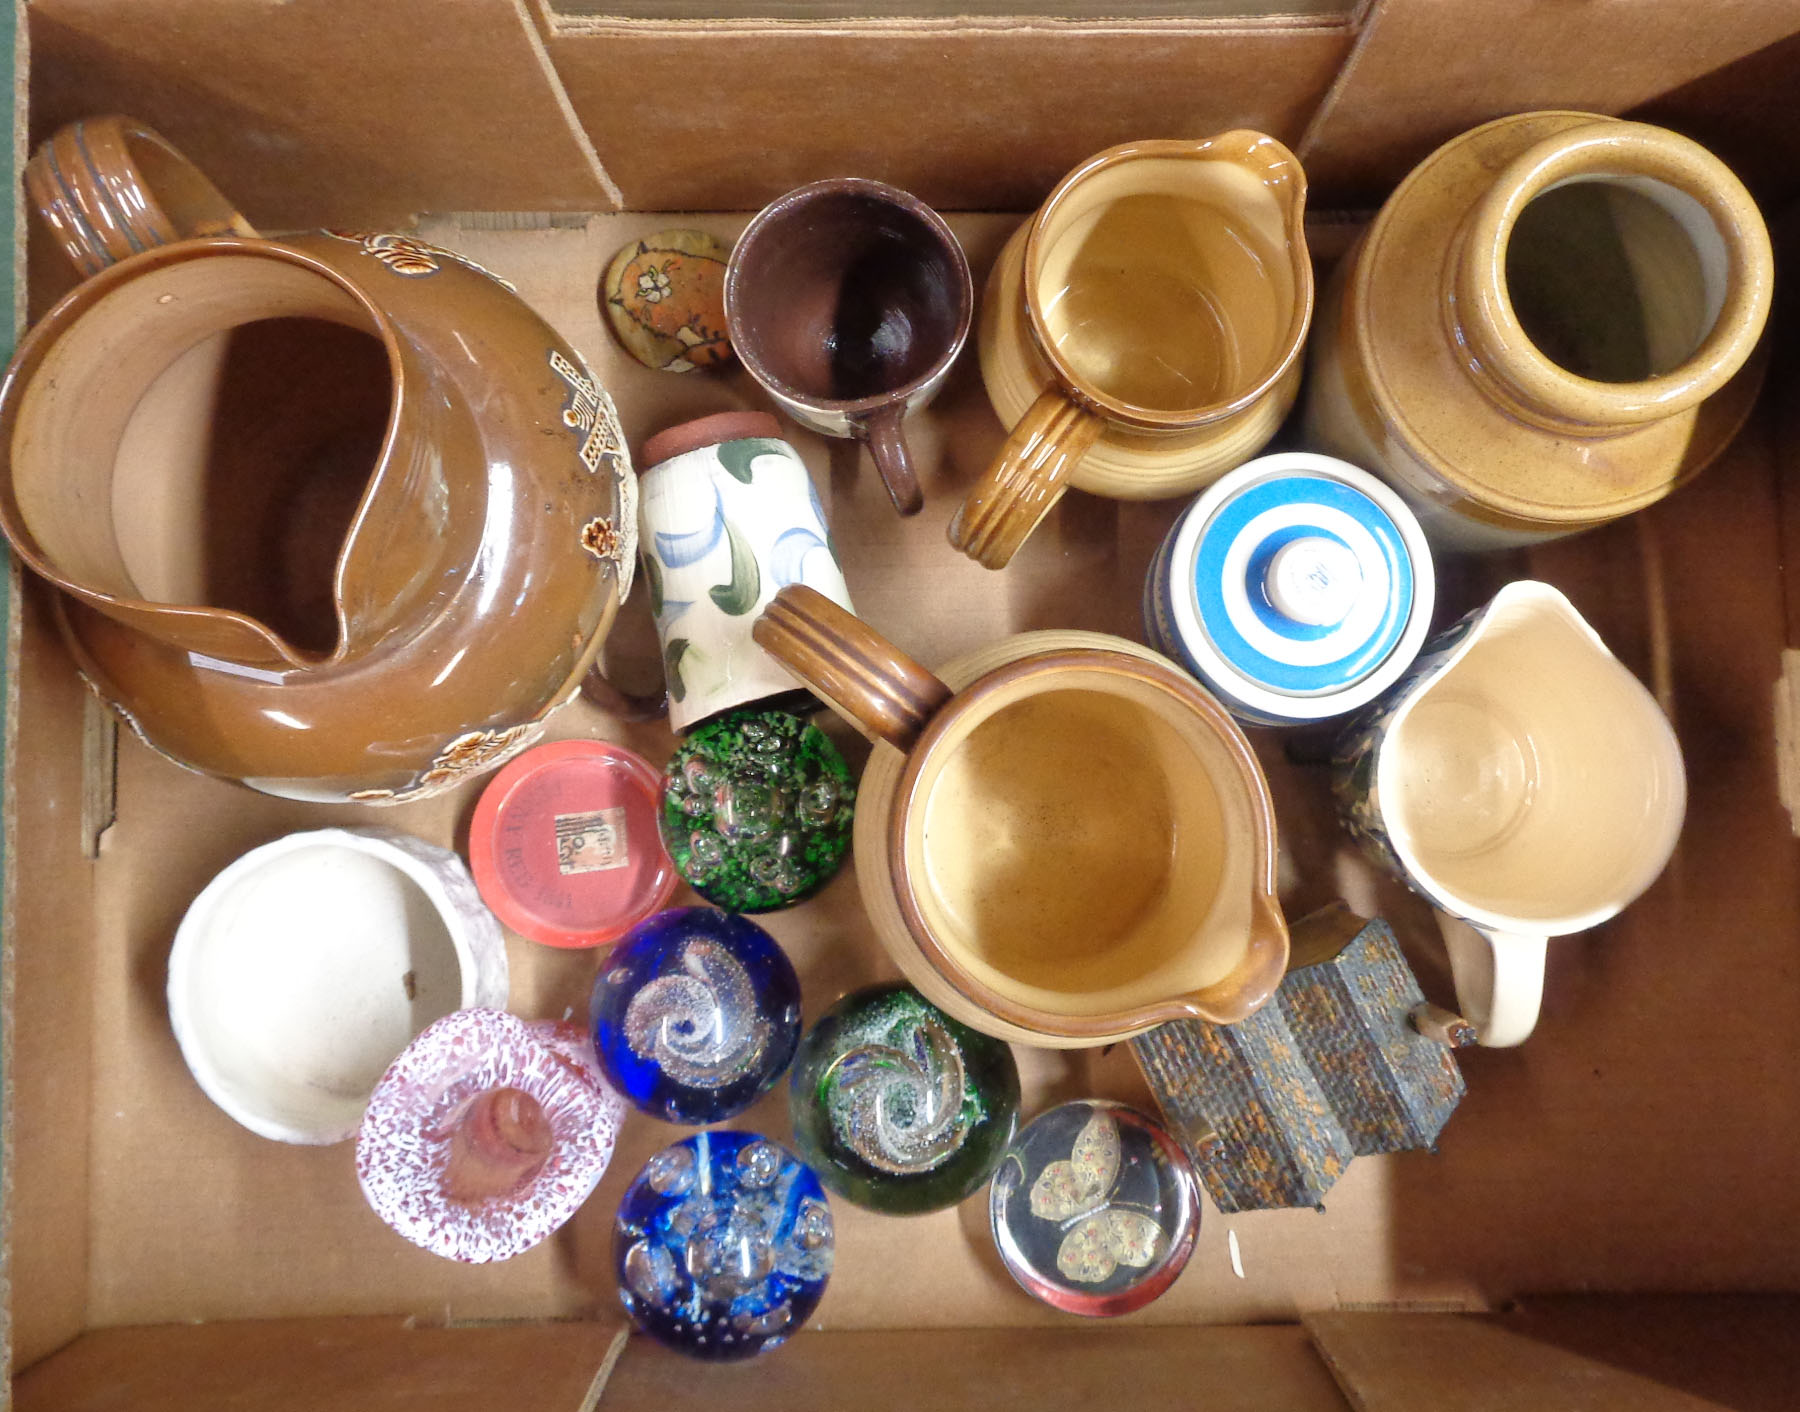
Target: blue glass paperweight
x,y
722,1245
696,1013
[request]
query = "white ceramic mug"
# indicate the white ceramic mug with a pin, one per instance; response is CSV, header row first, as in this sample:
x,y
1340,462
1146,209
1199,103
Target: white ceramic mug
x,y
1522,781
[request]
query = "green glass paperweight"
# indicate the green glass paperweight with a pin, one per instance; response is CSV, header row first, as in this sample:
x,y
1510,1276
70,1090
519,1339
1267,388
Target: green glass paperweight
x,y
757,810
897,1106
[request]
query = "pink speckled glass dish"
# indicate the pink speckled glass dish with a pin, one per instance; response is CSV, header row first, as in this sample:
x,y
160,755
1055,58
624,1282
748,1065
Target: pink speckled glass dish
x,y
487,1134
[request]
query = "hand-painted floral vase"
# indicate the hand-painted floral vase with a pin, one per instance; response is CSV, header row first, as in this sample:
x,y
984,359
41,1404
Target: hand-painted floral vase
x,y
1095,1208
722,1245
897,1106
487,1134
696,1014
757,810
728,516
337,515
1552,322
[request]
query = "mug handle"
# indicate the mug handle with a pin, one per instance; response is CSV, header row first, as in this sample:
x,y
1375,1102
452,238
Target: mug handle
x,y
1026,479
881,430
1499,979
109,188
860,674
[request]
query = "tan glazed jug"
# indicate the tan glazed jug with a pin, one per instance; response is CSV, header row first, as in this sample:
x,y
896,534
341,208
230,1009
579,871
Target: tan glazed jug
x,y
1554,321
1062,839
337,515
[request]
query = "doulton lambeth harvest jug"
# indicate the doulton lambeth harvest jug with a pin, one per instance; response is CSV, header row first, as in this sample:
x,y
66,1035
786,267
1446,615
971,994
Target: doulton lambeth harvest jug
x,y
336,515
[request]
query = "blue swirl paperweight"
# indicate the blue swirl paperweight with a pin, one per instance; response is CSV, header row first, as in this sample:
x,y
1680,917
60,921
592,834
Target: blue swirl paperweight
x,y
696,1014
722,1245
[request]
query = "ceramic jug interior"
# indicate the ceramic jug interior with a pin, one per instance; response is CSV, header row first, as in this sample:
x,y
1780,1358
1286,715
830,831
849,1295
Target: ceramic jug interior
x,y
337,515
1074,846
1141,334
1532,788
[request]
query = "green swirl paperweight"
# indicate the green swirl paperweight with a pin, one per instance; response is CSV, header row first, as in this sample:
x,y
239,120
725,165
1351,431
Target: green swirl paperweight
x,y
897,1106
757,810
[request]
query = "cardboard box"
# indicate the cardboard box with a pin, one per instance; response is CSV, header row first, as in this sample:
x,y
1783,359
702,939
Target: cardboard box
x,y
1611,1220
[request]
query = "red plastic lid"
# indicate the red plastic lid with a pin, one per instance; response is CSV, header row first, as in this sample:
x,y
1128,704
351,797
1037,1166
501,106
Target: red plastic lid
x,y
564,844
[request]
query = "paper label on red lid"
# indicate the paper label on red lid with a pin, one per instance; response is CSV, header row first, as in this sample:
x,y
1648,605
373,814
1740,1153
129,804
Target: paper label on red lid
x,y
594,842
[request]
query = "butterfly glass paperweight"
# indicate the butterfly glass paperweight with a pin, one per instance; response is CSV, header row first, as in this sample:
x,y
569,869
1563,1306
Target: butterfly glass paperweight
x,y
1094,1208
757,811
696,1013
722,1245
899,1107
486,1134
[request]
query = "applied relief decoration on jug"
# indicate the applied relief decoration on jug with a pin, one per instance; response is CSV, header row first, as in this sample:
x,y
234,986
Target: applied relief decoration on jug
x,y
469,754
414,259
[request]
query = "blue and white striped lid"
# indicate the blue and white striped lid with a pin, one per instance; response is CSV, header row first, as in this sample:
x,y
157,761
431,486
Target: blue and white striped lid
x,y
1301,586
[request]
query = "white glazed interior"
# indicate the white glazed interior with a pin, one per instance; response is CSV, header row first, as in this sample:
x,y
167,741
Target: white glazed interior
x,y
306,966
1533,784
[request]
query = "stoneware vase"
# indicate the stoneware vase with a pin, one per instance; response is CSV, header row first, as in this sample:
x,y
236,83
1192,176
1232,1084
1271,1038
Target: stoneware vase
x,y
1554,321
1141,334
336,515
1524,783
1061,840
304,967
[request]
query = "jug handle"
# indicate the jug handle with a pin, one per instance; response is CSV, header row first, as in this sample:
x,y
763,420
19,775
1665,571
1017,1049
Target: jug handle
x,y
861,675
887,447
110,187
1499,979
1026,479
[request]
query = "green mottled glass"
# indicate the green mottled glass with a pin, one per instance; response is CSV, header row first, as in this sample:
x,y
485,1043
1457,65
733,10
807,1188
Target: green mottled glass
x,y
897,1106
757,810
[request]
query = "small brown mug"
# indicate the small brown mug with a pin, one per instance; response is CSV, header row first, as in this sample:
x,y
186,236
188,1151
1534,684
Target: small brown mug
x,y
848,300
1061,840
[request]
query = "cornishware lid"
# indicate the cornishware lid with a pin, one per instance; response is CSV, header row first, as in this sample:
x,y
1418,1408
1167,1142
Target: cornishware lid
x,y
1300,577
564,845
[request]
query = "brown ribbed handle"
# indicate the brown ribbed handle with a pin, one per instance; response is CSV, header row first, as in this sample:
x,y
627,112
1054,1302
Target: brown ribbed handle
x,y
863,677
109,188
1027,478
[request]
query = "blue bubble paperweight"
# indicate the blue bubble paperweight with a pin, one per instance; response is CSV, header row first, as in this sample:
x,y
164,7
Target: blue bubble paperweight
x,y
695,1014
722,1245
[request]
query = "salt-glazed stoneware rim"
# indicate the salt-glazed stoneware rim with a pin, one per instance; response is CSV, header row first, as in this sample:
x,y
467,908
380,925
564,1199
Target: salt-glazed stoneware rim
x,y
1243,990
361,995
1632,152
744,344
1242,146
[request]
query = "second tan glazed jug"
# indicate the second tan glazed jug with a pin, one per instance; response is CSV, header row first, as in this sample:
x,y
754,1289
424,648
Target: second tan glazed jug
x,y
336,515
1553,321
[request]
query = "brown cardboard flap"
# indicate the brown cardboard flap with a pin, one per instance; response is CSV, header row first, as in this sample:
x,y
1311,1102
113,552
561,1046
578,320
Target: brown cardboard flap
x,y
1249,1369
965,114
321,1365
1424,70
315,112
1683,1353
48,1011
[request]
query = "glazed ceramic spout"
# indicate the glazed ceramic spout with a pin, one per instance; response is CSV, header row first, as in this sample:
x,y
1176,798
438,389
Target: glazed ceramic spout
x,y
336,515
1141,334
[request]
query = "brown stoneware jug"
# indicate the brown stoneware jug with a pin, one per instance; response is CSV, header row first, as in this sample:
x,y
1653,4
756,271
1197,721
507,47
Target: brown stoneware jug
x,y
336,515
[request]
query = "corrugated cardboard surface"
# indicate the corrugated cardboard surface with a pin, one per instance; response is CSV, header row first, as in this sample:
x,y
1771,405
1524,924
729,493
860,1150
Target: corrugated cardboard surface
x,y
983,114
1645,1138
317,112
1623,1147
1424,70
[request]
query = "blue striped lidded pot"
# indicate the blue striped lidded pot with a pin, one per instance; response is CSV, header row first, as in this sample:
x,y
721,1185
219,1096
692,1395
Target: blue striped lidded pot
x,y
1296,587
